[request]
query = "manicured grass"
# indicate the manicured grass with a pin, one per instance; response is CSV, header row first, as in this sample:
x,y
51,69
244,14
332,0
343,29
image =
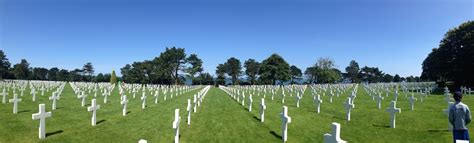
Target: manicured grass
x,y
221,119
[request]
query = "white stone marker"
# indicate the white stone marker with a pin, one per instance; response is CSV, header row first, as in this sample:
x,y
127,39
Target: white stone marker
x,y
285,119
15,101
54,97
105,97
318,101
143,98
142,141
262,110
33,94
335,136
156,97
250,103
379,101
298,99
412,100
177,120
189,109
194,101
83,101
4,98
392,110
348,106
283,97
93,108
41,115
124,105
395,95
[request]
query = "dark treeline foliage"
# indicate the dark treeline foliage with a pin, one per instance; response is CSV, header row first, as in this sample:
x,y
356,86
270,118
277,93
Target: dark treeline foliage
x,y
275,70
453,60
23,71
171,67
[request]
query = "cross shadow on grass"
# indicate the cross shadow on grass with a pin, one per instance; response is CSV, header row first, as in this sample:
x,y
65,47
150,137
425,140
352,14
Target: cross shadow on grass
x,y
128,112
101,121
53,133
275,134
439,130
380,126
22,111
59,107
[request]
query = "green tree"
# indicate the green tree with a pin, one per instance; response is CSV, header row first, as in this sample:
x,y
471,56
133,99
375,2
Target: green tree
x,y
4,65
353,71
453,60
39,73
371,74
295,73
173,60
62,75
233,68
220,71
324,71
196,66
99,78
311,74
88,69
251,70
396,78
52,74
113,78
387,78
274,69
21,70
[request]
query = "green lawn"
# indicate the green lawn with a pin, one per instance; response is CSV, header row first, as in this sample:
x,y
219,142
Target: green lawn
x,y
221,119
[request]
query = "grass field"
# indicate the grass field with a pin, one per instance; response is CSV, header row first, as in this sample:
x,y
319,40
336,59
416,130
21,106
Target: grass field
x,y
221,119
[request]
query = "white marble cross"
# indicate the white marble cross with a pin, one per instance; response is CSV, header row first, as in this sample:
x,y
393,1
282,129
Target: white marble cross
x,y
243,99
83,99
392,110
250,103
285,119
379,101
335,136
318,101
93,108
33,93
15,101
395,95
143,98
124,105
353,96
177,120
4,94
54,97
283,97
156,97
262,110
41,115
412,100
189,109
330,98
298,99
105,97
348,106
194,101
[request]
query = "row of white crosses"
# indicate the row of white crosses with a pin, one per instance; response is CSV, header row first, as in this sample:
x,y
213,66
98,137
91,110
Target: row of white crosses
x,y
177,118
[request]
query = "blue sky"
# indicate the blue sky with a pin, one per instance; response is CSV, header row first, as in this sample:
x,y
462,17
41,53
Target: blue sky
x,y
394,35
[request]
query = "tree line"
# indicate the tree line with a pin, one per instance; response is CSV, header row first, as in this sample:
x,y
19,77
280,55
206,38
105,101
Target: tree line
x,y
23,71
173,66
275,70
